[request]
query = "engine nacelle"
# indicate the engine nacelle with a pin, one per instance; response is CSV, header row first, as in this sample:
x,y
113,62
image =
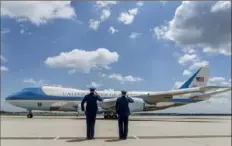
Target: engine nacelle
x,y
137,106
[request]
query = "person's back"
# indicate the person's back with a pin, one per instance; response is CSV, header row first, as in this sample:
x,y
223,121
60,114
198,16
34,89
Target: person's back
x,y
91,103
123,106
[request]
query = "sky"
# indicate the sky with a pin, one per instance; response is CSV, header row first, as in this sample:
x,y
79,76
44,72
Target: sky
x,y
115,45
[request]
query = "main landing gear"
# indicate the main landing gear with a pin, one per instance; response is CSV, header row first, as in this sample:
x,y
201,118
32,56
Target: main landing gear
x,y
29,115
110,115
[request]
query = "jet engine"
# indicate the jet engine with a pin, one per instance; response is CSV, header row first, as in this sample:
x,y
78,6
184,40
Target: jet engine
x,y
137,106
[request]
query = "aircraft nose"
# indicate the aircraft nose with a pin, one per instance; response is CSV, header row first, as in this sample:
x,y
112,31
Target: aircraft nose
x,y
8,98
11,97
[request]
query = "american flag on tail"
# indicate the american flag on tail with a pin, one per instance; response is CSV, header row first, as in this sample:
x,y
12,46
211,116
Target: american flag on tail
x,y
200,79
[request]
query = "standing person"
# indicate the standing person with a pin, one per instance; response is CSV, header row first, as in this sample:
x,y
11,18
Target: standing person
x,y
123,111
91,111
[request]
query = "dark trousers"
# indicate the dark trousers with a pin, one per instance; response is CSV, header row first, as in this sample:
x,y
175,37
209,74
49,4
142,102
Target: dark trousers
x,y
90,124
123,126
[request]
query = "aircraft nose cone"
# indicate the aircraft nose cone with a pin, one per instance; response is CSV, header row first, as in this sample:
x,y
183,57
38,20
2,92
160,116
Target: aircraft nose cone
x,y
8,98
11,97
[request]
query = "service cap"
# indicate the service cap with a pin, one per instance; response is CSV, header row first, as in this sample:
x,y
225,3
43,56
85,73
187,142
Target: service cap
x,y
92,89
123,92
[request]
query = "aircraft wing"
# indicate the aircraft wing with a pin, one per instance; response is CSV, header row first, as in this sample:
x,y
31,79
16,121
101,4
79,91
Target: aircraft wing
x,y
213,93
153,98
164,97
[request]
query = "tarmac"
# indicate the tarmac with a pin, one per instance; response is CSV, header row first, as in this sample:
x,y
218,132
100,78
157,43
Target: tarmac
x,y
143,131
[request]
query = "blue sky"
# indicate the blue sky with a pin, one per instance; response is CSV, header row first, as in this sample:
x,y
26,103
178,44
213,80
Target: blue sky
x,y
114,45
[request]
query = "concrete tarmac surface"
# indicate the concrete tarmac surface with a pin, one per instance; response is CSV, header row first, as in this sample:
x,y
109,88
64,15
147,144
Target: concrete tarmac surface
x,y
143,131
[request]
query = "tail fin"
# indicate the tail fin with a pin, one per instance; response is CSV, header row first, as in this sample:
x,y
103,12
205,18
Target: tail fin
x,y
199,79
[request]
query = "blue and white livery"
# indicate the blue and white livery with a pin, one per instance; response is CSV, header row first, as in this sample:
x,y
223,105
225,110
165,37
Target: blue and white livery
x,y
48,98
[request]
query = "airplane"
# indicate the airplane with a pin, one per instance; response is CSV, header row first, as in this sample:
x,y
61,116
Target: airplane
x,y
49,98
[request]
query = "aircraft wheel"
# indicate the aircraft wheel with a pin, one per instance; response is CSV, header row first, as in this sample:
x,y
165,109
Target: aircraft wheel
x,y
114,117
29,116
108,117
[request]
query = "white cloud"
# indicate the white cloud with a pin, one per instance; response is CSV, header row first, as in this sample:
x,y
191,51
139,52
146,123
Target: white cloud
x,y
192,26
95,84
105,14
113,30
128,17
38,12
3,59
109,89
177,85
34,82
199,64
5,30
217,79
123,79
22,31
134,35
187,72
163,2
140,3
192,59
71,71
102,75
39,83
160,31
54,85
187,58
221,6
4,69
83,60
189,50
94,24
226,83
102,4
133,11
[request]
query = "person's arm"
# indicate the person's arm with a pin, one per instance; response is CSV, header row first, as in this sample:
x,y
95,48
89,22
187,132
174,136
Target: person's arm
x,y
82,104
99,98
130,100
116,106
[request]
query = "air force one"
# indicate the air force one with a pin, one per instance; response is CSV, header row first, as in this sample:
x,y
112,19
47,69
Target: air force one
x,y
47,98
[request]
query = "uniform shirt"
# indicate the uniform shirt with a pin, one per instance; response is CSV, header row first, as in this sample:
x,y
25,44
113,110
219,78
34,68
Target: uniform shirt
x,y
122,106
91,100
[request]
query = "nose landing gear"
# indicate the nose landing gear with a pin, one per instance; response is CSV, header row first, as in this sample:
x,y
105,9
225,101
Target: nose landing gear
x,y
29,115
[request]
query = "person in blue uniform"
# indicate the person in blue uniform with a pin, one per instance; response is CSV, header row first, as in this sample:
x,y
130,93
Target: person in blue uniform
x,y
91,111
123,111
